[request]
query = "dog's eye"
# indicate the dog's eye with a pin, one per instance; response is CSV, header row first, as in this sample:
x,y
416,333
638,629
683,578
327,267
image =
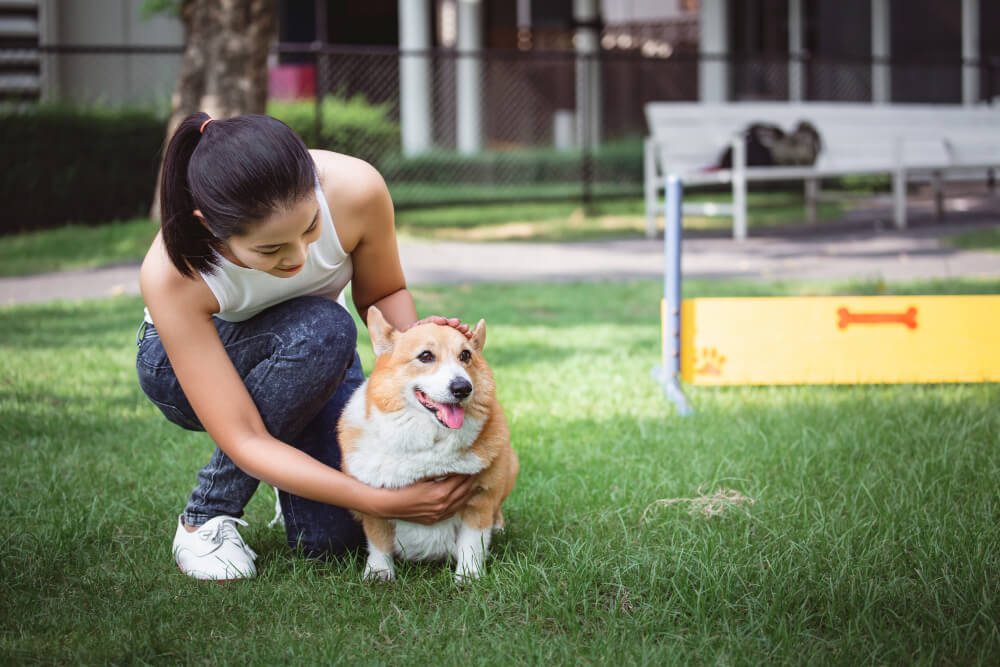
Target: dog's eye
x,y
426,356
465,356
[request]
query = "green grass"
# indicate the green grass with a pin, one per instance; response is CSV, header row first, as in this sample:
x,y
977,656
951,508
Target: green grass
x,y
75,247
570,221
82,246
979,239
872,537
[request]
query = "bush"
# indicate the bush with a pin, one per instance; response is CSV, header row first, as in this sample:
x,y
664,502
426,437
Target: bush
x,y
62,164
351,126
619,162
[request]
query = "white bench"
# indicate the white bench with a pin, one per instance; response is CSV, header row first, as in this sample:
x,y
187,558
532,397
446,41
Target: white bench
x,y
904,141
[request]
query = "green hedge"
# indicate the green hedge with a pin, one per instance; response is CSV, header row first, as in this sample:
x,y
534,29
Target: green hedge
x,y
619,162
62,165
351,126
89,165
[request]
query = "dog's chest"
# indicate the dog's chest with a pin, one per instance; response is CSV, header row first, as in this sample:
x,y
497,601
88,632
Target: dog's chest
x,y
396,449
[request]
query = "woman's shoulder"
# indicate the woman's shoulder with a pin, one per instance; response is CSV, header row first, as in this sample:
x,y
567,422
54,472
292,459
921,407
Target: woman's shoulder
x,y
348,181
163,285
355,192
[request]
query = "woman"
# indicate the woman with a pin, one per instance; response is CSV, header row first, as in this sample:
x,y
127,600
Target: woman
x,y
243,336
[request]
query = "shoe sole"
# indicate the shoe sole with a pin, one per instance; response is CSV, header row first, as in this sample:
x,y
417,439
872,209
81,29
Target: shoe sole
x,y
218,581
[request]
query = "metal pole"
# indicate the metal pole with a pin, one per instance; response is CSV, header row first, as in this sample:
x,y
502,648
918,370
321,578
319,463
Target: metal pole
x,y
320,73
415,76
669,374
469,77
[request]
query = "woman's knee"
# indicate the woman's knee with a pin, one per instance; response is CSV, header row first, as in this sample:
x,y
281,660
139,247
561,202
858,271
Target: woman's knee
x,y
315,331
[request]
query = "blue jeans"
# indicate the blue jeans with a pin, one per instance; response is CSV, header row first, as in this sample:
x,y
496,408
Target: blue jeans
x,y
299,363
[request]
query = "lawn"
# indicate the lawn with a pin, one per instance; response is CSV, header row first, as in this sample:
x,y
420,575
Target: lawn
x,y
871,536
82,246
987,238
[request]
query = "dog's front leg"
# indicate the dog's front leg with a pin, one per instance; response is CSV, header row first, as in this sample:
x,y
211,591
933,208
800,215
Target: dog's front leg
x,y
471,547
380,534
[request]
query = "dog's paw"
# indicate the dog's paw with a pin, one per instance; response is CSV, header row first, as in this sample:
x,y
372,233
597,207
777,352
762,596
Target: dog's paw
x,y
467,576
378,575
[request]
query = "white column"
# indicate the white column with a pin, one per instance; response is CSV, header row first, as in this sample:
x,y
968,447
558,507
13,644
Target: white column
x,y
713,49
970,51
469,77
588,73
796,69
881,48
415,75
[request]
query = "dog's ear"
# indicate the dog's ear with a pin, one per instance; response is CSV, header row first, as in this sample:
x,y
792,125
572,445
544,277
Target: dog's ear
x,y
381,332
478,340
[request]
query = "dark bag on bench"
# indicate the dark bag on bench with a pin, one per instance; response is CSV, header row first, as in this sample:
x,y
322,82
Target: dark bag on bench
x,y
768,145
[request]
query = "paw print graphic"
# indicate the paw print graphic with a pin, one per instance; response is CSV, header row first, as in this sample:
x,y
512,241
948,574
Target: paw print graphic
x,y
709,362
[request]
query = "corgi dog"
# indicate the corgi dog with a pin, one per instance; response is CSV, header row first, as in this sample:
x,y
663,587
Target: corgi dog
x,y
427,410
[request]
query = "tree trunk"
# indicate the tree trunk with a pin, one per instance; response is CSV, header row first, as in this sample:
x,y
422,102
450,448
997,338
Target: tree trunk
x,y
224,70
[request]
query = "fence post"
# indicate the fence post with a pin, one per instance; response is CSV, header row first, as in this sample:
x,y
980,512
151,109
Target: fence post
x,y
318,110
583,122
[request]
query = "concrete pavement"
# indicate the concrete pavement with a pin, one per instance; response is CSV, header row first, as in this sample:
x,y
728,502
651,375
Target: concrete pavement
x,y
912,254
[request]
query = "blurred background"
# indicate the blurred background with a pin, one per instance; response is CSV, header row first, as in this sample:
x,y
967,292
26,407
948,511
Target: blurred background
x,y
454,101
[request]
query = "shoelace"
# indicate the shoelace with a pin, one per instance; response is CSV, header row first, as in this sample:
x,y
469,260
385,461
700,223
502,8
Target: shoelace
x,y
225,531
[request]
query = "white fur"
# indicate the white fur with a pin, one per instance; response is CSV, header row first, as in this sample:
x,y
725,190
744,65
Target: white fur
x,y
471,548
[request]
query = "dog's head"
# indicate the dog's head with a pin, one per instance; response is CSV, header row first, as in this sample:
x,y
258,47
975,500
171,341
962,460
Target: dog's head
x,y
430,367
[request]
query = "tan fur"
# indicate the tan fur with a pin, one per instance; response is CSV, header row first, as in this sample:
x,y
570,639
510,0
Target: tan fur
x,y
395,362
379,532
348,437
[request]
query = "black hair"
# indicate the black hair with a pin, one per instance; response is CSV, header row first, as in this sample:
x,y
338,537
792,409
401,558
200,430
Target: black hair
x,y
237,172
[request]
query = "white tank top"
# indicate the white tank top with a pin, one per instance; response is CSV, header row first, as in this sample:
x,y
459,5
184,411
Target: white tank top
x,y
243,292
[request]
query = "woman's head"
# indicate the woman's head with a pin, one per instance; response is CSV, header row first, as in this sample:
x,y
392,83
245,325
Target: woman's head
x,y
224,179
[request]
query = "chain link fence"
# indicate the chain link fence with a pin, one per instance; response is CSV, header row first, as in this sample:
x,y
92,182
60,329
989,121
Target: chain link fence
x,y
534,140
530,143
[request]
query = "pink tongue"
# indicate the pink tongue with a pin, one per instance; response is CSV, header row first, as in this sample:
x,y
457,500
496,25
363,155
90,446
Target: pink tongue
x,y
451,414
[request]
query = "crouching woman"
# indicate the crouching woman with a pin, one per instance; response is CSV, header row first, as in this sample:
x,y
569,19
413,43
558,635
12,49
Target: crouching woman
x,y
243,335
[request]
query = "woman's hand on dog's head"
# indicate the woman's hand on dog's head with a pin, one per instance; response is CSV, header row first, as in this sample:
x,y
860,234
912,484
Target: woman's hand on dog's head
x,y
445,322
431,500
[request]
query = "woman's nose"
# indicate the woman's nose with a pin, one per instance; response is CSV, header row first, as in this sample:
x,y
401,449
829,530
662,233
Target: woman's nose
x,y
297,255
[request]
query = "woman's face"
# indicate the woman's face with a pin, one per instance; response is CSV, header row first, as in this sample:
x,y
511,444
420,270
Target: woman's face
x,y
279,244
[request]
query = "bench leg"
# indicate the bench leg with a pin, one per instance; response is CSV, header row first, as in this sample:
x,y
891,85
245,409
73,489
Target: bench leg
x,y
739,209
812,194
739,188
899,198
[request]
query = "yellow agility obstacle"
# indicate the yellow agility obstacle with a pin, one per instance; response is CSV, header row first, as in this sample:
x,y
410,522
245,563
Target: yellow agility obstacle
x,y
840,340
819,340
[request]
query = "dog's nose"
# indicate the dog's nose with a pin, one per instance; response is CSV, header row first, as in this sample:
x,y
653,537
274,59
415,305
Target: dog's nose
x,y
460,388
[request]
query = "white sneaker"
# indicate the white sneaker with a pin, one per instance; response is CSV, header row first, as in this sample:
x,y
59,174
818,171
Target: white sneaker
x,y
214,551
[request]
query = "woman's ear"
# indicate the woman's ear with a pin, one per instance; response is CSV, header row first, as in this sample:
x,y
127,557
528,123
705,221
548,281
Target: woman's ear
x,y
204,223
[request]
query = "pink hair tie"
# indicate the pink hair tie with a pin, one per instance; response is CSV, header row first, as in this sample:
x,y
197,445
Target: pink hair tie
x,y
202,130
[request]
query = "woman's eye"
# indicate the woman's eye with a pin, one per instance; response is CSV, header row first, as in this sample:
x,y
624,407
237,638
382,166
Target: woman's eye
x,y
426,356
465,356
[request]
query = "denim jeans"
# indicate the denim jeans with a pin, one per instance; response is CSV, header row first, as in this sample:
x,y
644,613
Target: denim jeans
x,y
299,364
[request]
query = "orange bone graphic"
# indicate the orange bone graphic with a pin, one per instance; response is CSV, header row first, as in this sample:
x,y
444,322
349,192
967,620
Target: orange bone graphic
x,y
909,318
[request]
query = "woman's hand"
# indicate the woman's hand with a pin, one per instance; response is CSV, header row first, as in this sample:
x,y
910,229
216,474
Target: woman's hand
x,y
445,322
427,501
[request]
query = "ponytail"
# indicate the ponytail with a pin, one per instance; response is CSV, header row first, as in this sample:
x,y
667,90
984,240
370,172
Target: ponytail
x,y
237,172
190,245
